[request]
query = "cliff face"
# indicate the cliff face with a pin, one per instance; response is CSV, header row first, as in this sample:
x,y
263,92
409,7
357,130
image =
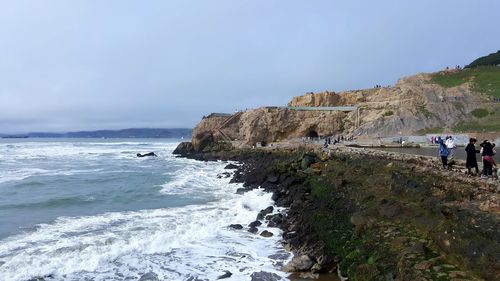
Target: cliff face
x,y
268,124
327,99
413,104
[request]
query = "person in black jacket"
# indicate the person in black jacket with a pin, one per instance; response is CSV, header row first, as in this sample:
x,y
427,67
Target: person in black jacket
x,y
471,151
487,152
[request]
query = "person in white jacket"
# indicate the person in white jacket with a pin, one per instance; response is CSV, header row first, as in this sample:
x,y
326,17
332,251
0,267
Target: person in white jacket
x,y
450,144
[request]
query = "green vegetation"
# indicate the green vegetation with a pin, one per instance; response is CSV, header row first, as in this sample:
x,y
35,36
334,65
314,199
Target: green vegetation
x,y
488,123
389,113
480,113
375,216
476,127
449,79
491,59
484,79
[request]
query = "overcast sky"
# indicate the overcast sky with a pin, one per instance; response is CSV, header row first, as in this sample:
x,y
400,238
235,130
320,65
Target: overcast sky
x,y
84,65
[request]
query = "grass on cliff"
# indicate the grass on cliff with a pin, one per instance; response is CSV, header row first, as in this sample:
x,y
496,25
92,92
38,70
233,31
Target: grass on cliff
x,y
489,122
484,79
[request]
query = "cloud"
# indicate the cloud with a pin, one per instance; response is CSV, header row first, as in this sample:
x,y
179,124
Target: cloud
x,y
110,64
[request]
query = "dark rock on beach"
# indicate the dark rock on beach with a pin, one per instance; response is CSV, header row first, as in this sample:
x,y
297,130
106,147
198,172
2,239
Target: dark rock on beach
x,y
253,229
255,223
44,278
151,276
226,274
264,212
264,276
236,226
231,166
266,233
299,263
274,220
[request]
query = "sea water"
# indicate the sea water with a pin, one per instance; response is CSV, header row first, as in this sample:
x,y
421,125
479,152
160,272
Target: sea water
x,y
89,209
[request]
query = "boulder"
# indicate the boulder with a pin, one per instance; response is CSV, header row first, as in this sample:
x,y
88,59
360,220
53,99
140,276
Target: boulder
x,y
272,178
254,224
265,212
307,161
266,233
236,226
264,276
231,166
253,229
226,274
150,276
299,263
184,148
272,224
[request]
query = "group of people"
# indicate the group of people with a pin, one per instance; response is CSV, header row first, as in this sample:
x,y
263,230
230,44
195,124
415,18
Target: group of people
x,y
447,149
338,139
457,67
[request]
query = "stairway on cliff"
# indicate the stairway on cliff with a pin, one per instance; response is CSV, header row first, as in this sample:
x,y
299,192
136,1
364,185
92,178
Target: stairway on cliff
x,y
228,122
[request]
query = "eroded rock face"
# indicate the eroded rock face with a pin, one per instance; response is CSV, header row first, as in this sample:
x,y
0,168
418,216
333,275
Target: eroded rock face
x,y
319,99
268,124
413,104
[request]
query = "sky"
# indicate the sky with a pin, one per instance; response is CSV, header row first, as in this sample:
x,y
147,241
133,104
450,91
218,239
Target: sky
x,y
92,64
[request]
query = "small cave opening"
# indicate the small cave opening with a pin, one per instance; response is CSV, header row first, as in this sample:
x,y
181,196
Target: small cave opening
x,y
312,134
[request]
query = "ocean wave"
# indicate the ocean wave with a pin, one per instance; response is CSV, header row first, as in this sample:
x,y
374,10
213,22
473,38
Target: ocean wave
x,y
194,179
89,150
25,173
51,203
174,243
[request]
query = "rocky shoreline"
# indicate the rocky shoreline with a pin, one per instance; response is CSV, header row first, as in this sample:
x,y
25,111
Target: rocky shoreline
x,y
371,215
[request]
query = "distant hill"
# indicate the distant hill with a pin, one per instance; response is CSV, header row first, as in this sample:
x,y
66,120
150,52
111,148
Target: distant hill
x,y
125,133
491,59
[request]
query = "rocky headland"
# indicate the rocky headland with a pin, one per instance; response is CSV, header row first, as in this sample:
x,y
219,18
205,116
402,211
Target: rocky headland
x,y
416,104
362,213
373,215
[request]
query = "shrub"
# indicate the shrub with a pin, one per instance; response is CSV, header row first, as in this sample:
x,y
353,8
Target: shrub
x,y
389,113
480,113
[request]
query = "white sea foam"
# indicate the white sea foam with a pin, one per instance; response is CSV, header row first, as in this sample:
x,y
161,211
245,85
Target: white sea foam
x,y
21,161
40,150
200,175
174,243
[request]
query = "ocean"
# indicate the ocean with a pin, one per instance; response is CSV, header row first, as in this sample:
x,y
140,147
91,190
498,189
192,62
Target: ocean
x,y
89,209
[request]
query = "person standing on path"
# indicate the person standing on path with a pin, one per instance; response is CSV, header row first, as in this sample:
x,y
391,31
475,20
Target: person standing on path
x,y
471,151
443,152
487,152
450,144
